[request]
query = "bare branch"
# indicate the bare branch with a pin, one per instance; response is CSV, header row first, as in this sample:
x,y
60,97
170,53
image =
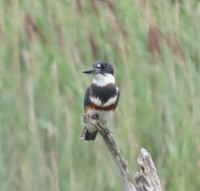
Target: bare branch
x,y
146,177
121,163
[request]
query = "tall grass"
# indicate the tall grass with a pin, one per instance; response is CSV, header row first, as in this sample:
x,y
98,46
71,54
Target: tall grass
x,y
44,46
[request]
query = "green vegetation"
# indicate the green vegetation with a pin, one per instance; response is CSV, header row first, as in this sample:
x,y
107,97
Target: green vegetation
x,y
44,46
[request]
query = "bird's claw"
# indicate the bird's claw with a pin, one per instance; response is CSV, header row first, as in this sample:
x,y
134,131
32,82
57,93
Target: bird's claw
x,y
103,128
107,131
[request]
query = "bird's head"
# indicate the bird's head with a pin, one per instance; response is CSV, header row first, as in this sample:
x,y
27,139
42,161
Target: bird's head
x,y
100,67
102,73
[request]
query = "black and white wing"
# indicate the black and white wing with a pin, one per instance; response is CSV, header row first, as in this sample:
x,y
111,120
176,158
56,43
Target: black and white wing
x,y
87,97
118,95
85,133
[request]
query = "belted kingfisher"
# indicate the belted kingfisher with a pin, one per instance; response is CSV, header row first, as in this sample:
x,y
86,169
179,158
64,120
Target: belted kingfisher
x,y
101,98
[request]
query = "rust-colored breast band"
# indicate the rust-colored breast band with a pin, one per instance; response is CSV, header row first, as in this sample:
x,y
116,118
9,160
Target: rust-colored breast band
x,y
96,107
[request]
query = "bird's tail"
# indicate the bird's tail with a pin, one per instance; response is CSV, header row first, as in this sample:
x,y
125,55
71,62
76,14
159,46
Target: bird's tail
x,y
87,135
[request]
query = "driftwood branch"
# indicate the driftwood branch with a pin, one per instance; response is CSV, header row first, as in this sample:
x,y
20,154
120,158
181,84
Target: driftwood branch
x,y
117,157
146,177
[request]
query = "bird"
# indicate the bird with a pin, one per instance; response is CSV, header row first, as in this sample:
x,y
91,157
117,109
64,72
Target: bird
x,y
101,98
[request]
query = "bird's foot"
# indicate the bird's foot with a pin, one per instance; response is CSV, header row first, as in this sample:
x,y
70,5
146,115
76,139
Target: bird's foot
x,y
108,132
103,128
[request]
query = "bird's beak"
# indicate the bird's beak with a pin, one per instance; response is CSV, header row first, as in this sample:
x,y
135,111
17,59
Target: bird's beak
x,y
91,71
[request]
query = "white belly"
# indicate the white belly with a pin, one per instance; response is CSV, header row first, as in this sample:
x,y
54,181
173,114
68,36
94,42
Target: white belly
x,y
103,118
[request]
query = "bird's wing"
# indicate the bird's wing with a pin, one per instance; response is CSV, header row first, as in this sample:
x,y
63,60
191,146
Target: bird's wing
x,y
118,95
87,96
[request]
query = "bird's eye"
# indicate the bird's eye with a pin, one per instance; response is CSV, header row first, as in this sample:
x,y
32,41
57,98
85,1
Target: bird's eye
x,y
103,65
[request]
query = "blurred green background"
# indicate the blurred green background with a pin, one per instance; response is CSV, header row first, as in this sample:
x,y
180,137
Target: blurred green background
x,y
45,45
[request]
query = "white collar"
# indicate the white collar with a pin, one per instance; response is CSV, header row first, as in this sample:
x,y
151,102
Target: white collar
x,y
103,80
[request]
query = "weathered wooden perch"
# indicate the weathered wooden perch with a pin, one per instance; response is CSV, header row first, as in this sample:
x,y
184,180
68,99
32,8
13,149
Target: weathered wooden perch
x,y
146,177
121,163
